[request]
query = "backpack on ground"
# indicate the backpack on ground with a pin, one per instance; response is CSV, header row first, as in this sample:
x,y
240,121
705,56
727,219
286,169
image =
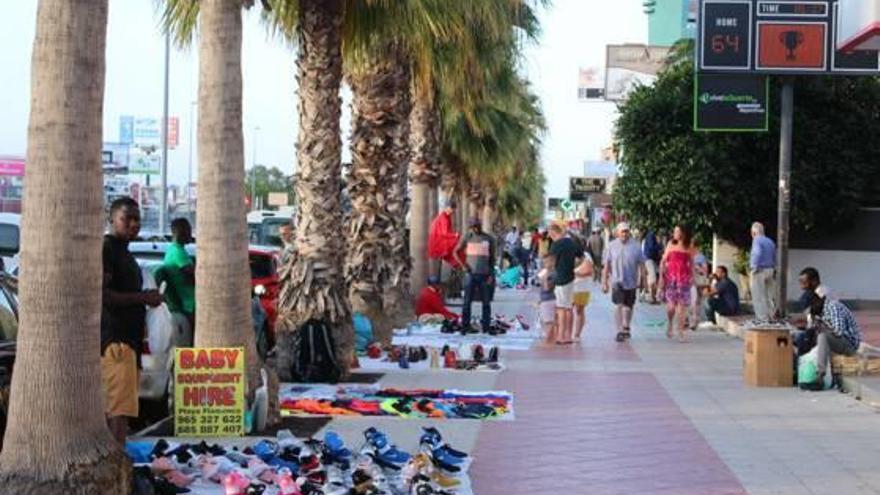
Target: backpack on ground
x,y
314,354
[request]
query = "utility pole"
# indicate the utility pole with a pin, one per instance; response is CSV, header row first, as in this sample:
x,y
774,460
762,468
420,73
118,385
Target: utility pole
x,y
254,171
192,107
163,193
784,199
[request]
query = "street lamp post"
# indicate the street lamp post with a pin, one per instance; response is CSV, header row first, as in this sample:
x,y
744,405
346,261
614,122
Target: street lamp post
x,y
192,107
163,193
254,171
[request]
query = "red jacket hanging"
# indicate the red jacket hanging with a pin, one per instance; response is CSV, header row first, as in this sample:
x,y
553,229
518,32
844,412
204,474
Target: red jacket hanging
x,y
442,239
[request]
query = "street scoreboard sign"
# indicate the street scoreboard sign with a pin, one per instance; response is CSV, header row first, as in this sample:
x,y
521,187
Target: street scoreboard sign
x,y
580,188
776,37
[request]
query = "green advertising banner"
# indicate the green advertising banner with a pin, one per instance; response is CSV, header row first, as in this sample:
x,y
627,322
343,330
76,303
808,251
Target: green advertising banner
x,y
731,103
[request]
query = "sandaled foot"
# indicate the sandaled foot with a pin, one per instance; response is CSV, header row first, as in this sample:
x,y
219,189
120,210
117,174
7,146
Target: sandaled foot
x,y
621,337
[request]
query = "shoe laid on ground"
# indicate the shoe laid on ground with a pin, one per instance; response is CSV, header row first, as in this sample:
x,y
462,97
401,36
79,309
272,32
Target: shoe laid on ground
x,y
235,484
478,354
403,360
432,438
449,359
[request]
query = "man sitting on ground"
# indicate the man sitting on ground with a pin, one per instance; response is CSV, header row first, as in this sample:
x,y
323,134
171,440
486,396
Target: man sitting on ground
x,y
723,296
429,304
836,329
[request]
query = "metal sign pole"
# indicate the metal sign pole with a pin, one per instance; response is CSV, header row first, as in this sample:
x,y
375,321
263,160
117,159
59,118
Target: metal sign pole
x,y
784,195
163,193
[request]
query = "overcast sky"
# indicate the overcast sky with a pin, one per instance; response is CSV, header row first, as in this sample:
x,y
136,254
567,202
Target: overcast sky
x,y
575,33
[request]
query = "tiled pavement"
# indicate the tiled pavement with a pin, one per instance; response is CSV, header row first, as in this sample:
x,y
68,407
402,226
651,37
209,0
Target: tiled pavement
x,y
649,417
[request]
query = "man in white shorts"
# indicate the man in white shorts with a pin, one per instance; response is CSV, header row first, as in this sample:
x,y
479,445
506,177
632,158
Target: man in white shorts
x,y
566,253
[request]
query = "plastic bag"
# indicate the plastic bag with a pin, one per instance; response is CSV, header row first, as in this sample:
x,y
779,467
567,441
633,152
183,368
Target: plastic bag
x,y
160,324
808,372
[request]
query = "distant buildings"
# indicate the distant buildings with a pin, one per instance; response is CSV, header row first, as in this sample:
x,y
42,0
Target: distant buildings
x,y
670,20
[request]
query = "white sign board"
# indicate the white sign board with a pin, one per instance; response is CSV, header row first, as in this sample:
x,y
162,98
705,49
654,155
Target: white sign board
x,y
141,162
277,199
147,131
631,66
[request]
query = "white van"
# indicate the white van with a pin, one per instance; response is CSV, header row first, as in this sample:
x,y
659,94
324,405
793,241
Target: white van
x,y
263,226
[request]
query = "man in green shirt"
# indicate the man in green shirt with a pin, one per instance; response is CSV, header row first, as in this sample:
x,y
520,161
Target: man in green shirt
x,y
180,271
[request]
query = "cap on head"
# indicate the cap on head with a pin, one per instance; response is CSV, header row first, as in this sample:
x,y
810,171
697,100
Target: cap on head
x,y
622,226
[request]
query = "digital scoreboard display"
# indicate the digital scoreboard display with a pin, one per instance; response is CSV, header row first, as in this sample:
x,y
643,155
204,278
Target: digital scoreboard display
x,y
775,37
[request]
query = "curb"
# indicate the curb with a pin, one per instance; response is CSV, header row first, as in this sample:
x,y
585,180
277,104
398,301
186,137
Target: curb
x,y
861,388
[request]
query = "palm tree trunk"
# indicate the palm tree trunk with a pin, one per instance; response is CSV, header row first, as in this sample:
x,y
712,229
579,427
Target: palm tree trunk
x,y
424,174
223,298
377,187
57,439
313,284
490,212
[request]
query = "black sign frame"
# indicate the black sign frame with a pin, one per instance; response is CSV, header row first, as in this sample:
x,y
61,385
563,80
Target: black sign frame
x,y
723,48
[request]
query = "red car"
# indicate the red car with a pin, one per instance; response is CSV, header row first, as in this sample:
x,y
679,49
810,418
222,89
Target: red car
x,y
266,284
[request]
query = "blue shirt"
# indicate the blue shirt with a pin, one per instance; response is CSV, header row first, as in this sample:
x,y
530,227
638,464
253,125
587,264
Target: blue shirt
x,y
625,260
842,322
763,253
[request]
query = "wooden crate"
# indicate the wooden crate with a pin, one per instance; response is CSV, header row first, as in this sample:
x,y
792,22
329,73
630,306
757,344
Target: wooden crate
x,y
768,359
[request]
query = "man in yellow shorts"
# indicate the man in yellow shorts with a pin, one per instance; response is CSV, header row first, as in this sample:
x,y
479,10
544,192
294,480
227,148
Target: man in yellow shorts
x,y
123,316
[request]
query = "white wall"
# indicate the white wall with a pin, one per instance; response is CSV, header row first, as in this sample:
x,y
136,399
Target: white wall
x,y
849,274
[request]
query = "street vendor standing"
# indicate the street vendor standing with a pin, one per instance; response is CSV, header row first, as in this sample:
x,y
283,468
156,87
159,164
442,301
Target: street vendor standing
x,y
123,313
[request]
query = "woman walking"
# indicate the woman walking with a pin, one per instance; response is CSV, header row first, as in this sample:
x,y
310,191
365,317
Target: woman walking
x,y
677,274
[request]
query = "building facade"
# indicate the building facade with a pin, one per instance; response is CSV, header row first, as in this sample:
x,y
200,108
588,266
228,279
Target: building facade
x,y
670,20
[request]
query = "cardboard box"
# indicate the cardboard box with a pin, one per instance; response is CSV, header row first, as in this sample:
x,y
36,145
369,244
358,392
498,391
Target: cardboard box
x,y
768,358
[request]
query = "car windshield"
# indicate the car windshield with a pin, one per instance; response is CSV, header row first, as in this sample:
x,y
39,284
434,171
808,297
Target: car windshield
x,y
262,266
9,237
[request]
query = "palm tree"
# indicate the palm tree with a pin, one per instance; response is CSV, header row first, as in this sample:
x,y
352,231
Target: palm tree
x,y
223,298
68,449
313,285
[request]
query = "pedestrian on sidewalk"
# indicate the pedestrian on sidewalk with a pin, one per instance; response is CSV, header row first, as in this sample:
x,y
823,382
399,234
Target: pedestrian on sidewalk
x,y
762,267
677,277
653,251
701,285
566,255
180,272
582,275
547,300
596,248
722,297
836,327
622,265
479,251
123,317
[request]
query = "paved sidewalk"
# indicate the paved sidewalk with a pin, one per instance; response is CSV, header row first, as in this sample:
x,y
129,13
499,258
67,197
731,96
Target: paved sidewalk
x,y
652,416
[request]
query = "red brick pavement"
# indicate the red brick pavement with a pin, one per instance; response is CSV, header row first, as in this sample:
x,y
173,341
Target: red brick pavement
x,y
597,434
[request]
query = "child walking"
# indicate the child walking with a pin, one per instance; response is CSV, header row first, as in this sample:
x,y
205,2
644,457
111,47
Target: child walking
x,y
547,301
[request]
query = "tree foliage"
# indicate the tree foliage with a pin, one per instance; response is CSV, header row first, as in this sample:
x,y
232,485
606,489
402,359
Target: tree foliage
x,y
268,180
721,182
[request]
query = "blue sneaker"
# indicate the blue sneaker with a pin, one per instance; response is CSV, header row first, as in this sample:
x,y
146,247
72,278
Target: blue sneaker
x,y
265,450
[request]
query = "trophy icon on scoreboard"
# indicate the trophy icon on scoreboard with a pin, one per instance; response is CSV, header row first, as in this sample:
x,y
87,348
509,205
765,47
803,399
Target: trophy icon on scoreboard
x,y
792,40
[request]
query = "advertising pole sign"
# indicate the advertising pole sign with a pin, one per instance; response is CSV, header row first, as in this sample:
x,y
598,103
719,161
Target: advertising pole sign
x,y
209,392
731,103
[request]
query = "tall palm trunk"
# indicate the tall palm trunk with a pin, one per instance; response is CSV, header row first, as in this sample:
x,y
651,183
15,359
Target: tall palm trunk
x,y
223,308
490,211
313,284
424,174
377,186
57,439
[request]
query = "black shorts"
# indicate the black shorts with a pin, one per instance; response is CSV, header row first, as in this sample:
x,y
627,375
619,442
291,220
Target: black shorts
x,y
623,296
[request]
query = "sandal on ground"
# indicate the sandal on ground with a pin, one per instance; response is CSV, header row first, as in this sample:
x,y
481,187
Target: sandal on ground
x,y
621,337
626,333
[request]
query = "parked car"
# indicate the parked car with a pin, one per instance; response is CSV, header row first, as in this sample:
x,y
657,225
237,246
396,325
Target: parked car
x,y
264,275
10,233
264,226
8,335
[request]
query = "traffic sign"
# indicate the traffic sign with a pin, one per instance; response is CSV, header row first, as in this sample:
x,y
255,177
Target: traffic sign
x,y
580,188
566,205
776,37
